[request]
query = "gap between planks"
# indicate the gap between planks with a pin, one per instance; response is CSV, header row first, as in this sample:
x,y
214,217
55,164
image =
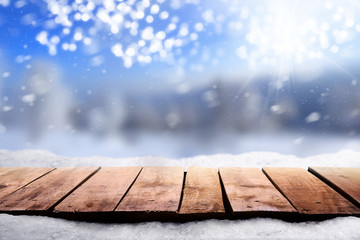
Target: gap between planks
x,y
308,194
344,180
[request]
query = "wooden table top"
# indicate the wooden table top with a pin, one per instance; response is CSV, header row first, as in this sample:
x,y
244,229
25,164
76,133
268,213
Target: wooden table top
x,y
127,194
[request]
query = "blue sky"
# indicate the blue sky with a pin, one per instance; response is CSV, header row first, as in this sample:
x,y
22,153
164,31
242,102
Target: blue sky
x,y
176,39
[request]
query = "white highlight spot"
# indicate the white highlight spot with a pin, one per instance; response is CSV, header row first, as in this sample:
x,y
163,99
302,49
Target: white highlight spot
x,y
149,19
4,3
164,15
85,17
147,33
154,9
276,109
78,36
208,16
130,52
117,50
313,117
87,41
72,47
42,37
30,98
66,31
199,27
65,46
55,40
160,35
6,74
184,31
6,108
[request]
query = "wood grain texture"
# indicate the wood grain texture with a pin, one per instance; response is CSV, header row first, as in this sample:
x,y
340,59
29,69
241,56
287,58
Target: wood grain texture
x,y
43,193
202,192
344,180
102,192
13,178
249,190
157,189
307,193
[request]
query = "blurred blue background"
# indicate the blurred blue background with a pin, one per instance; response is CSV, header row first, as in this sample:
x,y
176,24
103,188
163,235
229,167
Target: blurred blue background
x,y
179,78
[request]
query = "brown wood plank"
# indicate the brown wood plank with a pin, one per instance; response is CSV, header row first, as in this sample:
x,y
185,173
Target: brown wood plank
x,y
249,190
43,193
102,192
344,180
307,193
13,178
202,192
157,189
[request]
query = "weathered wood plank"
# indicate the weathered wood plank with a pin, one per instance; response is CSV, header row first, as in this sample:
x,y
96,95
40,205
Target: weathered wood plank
x,y
45,192
13,178
307,193
157,189
249,191
344,180
102,192
202,192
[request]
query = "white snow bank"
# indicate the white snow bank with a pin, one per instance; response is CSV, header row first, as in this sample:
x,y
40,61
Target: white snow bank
x,y
37,227
179,145
41,158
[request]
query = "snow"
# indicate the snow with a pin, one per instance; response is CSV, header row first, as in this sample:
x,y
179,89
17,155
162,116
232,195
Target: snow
x,y
39,227
25,227
177,145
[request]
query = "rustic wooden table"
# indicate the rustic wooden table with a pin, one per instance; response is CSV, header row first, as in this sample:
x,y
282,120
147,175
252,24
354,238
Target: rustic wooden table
x,y
127,194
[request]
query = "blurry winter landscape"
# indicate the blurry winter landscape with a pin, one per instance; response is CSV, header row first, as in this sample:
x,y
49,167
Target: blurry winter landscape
x,y
179,78
174,79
